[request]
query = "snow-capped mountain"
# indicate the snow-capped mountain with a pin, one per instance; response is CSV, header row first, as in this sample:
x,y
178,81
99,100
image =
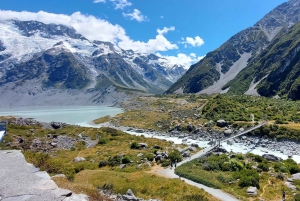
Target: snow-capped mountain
x,y
55,56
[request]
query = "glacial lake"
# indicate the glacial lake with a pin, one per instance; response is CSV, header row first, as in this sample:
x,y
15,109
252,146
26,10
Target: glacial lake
x,y
76,115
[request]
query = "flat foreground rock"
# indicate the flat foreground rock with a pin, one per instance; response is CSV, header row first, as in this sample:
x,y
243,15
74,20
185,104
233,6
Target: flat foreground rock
x,y
21,181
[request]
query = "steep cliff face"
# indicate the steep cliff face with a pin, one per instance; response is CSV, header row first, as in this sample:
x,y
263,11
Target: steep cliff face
x,y
212,74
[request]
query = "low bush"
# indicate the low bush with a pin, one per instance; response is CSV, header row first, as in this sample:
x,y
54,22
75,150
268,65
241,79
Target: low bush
x,y
175,156
102,141
263,166
125,160
194,178
102,164
134,145
114,161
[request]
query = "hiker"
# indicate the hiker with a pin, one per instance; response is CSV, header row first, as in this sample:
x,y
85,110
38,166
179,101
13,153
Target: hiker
x,y
283,195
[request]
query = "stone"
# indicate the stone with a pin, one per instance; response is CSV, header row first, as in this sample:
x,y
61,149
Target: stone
x,y
230,142
252,191
227,132
290,185
143,145
271,157
140,155
241,129
122,166
221,123
129,196
296,176
78,159
53,144
194,145
186,154
192,149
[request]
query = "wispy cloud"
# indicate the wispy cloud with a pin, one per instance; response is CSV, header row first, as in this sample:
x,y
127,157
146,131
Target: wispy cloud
x,y
197,41
118,4
121,4
99,1
136,15
98,29
165,30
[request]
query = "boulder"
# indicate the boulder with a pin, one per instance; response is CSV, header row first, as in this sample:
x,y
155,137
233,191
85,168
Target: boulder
x,y
186,154
296,176
78,159
129,196
230,142
192,149
227,132
122,166
158,157
252,191
241,129
221,123
195,145
290,185
190,127
143,145
139,155
220,149
271,157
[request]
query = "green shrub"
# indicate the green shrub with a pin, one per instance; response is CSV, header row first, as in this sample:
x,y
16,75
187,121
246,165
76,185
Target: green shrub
x,y
193,198
280,176
165,163
149,156
247,178
297,197
263,166
125,160
102,141
102,164
116,160
79,167
134,145
175,156
70,173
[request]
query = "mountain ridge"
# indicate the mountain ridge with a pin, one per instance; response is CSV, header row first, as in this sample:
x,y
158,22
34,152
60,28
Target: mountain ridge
x,y
206,75
62,59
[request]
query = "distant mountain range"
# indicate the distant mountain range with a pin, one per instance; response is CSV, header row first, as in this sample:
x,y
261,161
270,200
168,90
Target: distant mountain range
x,y
261,60
34,55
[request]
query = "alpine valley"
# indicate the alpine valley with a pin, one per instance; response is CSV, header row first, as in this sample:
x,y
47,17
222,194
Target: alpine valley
x,y
50,64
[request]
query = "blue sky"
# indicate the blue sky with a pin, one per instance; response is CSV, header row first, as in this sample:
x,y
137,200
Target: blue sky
x,y
182,30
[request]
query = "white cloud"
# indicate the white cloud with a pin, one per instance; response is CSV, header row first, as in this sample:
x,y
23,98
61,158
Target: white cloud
x,y
121,4
136,15
183,59
165,30
98,29
197,41
99,1
160,43
118,4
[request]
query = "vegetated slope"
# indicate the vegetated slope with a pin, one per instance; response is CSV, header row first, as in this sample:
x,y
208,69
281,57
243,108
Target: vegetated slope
x,y
222,65
276,70
34,55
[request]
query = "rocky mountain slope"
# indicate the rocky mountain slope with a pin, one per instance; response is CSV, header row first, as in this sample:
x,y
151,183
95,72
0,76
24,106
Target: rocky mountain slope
x,y
37,57
275,72
214,73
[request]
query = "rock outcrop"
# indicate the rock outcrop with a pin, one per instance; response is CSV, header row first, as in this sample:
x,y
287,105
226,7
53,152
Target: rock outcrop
x,y
22,181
